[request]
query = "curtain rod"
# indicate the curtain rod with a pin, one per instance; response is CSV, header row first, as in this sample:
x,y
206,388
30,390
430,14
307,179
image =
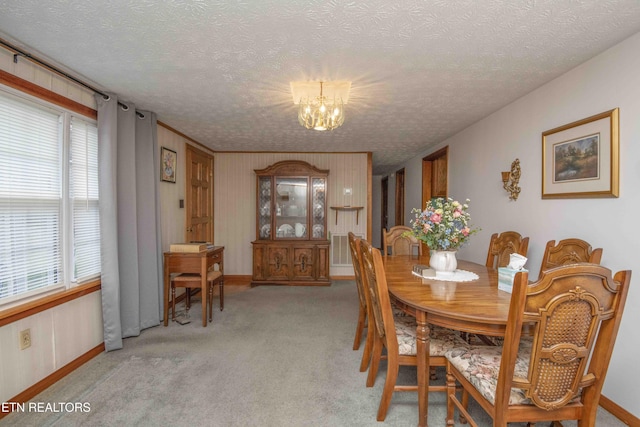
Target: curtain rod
x,y
19,52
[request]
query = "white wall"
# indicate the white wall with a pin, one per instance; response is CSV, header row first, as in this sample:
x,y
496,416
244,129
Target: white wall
x,y
478,154
172,217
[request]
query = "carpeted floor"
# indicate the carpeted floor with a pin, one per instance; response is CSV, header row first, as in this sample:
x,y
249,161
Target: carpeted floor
x,y
276,356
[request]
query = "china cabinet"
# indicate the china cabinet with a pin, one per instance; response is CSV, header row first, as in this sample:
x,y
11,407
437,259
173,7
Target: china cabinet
x,y
291,246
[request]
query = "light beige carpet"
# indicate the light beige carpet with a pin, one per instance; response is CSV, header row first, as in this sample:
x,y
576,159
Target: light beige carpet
x,y
276,356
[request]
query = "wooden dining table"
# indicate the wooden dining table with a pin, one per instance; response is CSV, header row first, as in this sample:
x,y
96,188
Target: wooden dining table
x,y
471,306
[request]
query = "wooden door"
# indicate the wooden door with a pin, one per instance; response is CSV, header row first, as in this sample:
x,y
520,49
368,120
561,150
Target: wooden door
x,y
400,197
434,175
434,178
199,182
303,263
278,263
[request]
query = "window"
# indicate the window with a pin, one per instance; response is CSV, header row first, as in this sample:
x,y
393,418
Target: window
x,y
49,218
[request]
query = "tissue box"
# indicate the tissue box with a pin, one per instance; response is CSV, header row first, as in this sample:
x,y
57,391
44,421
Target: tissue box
x,y
505,278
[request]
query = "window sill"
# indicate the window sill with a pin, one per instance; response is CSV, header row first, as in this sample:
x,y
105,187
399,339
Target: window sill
x,y
16,313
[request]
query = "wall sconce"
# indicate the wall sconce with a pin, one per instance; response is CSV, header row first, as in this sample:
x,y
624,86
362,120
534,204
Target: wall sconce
x,y
511,179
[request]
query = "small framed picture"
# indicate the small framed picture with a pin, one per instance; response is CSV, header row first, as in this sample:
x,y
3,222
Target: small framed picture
x,y
168,163
581,159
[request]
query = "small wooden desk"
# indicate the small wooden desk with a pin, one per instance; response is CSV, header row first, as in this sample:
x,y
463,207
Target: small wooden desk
x,y
191,262
475,307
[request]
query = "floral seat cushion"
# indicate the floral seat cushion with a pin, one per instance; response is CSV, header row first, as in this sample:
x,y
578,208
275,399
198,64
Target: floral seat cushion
x,y
480,365
440,339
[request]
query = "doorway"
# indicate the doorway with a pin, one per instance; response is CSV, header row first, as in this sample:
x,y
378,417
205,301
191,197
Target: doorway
x,y
384,220
434,175
434,179
400,197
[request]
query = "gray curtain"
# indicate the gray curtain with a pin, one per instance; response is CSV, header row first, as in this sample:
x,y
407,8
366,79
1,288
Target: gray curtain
x,y
132,287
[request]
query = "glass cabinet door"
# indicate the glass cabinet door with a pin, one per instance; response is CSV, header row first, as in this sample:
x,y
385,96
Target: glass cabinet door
x,y
291,204
319,208
264,208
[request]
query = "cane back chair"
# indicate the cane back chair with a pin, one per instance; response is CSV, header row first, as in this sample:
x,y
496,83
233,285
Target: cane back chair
x,y
575,311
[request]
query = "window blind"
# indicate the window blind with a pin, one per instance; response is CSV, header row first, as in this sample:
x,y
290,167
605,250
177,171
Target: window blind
x,y
30,197
83,191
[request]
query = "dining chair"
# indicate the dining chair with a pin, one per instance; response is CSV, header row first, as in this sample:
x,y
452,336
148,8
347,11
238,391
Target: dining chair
x,y
502,245
396,334
575,312
363,315
399,242
568,251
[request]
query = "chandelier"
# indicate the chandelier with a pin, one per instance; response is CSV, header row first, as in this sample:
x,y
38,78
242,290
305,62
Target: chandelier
x,y
321,112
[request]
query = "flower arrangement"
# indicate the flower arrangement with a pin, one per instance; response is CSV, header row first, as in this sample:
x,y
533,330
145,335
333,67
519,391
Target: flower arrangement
x,y
443,225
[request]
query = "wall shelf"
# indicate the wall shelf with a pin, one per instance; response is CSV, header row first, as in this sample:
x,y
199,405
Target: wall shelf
x,y
347,208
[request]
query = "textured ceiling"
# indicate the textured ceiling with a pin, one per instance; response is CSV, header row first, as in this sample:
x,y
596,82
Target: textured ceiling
x,y
219,71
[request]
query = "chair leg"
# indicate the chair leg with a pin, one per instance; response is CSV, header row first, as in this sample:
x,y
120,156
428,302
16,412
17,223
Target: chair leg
x,y
221,294
210,302
387,391
375,362
359,328
366,353
173,302
451,392
188,302
432,373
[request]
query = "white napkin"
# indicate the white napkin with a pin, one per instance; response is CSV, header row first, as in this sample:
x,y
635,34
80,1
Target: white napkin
x,y
517,261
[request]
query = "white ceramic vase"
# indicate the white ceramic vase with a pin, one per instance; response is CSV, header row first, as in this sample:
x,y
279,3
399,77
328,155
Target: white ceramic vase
x,y
443,261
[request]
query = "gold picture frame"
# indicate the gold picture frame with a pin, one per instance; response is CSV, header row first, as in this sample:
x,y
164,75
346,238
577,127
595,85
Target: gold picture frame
x,y
168,164
582,159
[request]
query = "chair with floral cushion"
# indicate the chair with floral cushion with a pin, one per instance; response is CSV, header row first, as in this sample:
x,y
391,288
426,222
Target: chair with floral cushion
x,y
396,334
503,245
400,242
363,315
575,312
568,251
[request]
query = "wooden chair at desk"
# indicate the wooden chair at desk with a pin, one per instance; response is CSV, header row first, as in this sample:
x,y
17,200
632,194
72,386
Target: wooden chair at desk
x,y
396,334
192,281
399,243
575,311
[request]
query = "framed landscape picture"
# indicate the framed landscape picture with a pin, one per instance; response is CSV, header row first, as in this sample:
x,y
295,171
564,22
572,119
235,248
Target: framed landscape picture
x,y
168,163
581,159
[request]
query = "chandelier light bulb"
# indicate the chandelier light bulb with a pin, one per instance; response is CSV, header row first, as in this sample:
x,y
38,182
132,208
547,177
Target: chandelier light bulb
x,y
320,113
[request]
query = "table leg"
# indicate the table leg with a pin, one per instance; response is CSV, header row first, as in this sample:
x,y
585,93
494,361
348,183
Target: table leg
x,y
166,291
422,353
204,299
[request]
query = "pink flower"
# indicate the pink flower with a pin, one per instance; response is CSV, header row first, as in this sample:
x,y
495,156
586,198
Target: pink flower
x,y
457,214
465,231
426,228
436,218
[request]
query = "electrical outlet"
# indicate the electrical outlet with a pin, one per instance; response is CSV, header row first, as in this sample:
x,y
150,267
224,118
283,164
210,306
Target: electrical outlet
x,y
25,339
